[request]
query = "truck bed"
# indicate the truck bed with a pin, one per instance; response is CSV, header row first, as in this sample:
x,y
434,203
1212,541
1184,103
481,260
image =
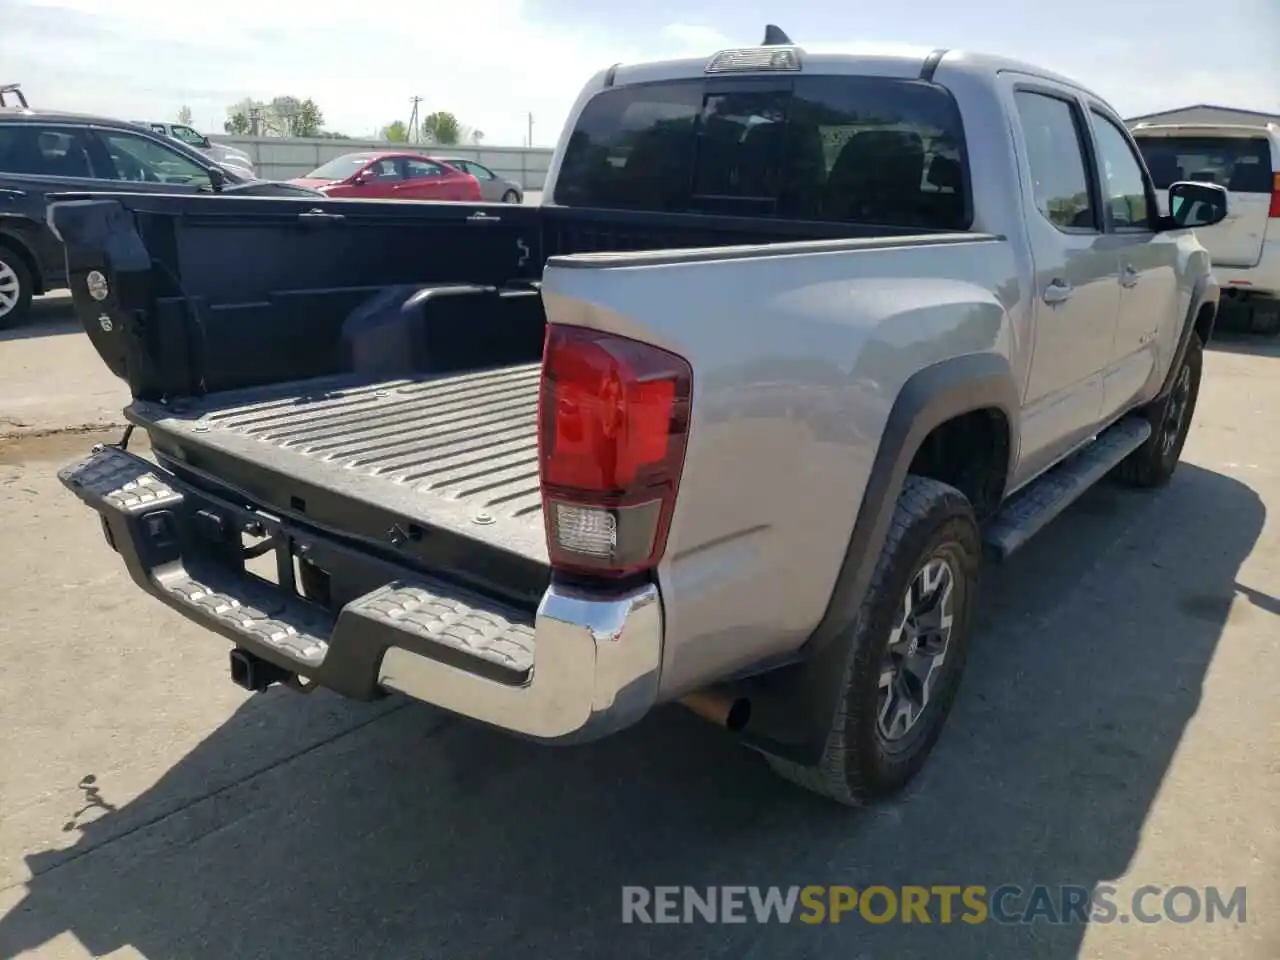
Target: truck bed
x,y
453,452
366,370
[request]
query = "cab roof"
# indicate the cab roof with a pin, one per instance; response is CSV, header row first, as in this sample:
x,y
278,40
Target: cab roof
x,y
60,116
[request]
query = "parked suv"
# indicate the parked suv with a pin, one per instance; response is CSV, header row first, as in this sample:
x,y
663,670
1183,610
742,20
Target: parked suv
x,y
1245,159
43,153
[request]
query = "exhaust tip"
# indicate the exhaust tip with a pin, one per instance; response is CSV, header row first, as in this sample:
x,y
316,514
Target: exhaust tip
x,y
739,715
723,709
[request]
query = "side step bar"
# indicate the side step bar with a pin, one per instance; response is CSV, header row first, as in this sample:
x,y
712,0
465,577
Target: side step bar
x,y
1031,508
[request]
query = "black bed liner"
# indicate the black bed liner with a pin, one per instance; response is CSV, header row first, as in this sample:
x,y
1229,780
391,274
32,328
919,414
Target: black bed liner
x,y
453,452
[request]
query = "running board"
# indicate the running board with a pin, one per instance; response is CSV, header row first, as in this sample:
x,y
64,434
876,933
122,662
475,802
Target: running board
x,y
1027,512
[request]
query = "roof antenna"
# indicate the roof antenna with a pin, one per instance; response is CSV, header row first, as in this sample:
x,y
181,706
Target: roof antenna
x,y
774,37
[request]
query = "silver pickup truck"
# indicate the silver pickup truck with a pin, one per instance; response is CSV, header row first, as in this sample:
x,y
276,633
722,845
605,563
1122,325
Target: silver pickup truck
x,y
796,343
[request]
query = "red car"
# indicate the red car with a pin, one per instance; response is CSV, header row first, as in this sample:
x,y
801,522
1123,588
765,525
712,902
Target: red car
x,y
390,175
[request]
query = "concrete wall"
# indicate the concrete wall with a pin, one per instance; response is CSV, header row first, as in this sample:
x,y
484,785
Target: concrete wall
x,y
278,158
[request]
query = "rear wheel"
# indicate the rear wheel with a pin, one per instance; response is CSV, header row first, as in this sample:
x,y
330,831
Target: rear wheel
x,y
15,288
511,197
1264,317
1153,463
907,653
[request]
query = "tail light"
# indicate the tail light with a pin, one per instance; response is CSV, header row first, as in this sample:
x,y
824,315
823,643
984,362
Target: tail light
x,y
1275,196
613,420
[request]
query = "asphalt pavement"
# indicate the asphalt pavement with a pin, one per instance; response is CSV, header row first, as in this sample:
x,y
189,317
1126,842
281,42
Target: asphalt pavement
x,y
1118,724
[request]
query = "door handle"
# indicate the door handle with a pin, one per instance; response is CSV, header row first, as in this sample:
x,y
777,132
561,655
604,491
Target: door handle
x,y
1129,277
319,216
481,217
1058,291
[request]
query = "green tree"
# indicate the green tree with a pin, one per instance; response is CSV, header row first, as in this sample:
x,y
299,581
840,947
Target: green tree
x,y
294,117
284,116
283,111
441,127
184,115
309,119
396,132
245,117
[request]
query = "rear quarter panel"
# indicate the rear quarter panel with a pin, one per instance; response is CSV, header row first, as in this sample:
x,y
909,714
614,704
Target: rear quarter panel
x,y
798,353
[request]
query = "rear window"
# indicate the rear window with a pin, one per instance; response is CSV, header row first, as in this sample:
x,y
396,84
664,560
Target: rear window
x,y
846,149
1241,164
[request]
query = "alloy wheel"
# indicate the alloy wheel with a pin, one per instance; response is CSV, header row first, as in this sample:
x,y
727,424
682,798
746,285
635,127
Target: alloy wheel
x,y
10,289
1177,410
917,650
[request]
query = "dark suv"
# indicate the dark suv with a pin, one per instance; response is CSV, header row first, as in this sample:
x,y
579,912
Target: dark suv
x,y
44,153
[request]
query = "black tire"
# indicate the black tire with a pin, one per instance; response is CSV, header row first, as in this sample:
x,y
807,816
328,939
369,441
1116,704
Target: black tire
x,y
859,763
1264,318
14,268
511,197
1153,463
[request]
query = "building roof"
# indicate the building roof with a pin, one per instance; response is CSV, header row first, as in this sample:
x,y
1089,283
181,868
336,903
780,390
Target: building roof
x,y
1262,114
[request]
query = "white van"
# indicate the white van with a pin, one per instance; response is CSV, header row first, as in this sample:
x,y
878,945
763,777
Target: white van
x,y
1246,160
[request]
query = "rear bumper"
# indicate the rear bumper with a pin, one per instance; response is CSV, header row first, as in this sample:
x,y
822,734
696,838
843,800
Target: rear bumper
x,y
1261,279
580,668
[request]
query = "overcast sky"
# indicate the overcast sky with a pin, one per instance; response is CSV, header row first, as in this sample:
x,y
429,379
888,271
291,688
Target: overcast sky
x,y
493,62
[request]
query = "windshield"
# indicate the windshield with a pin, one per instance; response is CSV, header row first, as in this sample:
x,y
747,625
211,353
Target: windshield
x,y
341,168
834,148
1241,164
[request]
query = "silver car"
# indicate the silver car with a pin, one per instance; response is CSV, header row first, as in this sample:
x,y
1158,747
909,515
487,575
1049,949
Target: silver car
x,y
219,153
493,188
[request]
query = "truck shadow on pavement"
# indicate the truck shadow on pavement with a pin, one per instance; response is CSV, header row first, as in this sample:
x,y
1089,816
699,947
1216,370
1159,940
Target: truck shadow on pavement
x,y
1246,344
410,835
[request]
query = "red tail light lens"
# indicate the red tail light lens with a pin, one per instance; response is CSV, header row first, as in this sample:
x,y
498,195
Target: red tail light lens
x,y
1275,197
613,421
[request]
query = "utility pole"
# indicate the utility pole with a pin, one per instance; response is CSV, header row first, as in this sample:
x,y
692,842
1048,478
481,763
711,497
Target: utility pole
x,y
413,119
530,141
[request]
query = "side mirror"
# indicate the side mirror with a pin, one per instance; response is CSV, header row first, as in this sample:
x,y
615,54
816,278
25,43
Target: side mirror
x,y
360,179
217,179
206,143
1194,204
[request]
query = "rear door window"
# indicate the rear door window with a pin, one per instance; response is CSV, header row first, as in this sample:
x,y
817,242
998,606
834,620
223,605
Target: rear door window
x,y
1054,138
420,169
45,151
1241,164
864,150
478,171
